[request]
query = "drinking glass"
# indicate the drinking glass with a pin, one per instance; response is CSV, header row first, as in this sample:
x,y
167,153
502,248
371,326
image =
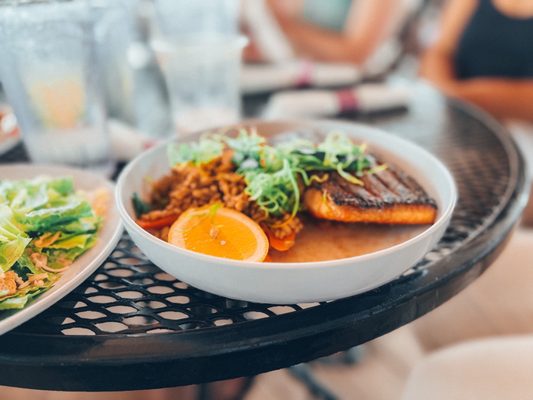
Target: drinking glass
x,y
199,50
50,74
196,18
134,86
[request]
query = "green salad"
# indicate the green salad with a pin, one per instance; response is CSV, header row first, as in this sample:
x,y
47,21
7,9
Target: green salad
x,y
44,226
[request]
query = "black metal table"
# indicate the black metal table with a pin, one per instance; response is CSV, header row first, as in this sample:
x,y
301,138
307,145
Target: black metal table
x,y
131,326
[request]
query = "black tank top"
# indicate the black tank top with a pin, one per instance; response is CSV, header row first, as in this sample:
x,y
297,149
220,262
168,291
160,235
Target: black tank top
x,y
495,45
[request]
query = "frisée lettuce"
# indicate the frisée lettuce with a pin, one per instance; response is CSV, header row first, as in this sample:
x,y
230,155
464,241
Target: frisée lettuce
x,y
44,226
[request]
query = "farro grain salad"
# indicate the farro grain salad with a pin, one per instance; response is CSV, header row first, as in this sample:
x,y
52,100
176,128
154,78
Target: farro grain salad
x,y
45,225
239,197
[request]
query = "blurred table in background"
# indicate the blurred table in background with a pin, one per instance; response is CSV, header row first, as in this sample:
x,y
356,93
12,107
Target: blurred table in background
x,y
131,326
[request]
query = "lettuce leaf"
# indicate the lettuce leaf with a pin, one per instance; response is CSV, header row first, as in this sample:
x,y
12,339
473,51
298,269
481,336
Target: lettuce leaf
x,y
80,244
82,225
30,209
74,241
13,240
27,195
50,219
25,266
14,303
42,204
21,298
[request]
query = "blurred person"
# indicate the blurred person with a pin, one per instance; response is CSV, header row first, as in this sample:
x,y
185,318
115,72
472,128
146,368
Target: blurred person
x,y
484,55
335,30
341,31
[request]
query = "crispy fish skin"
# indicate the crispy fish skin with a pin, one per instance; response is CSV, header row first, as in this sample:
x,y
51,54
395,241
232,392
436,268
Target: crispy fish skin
x,y
386,197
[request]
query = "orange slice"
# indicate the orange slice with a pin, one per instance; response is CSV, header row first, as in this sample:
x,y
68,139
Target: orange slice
x,y
219,232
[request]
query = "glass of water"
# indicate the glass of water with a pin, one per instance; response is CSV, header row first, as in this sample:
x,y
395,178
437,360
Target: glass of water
x,y
199,49
51,78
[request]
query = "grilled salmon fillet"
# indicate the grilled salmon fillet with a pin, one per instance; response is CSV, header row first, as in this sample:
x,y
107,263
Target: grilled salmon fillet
x,y
387,197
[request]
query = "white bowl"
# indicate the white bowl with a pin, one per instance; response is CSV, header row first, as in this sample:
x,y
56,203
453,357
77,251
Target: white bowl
x,y
287,283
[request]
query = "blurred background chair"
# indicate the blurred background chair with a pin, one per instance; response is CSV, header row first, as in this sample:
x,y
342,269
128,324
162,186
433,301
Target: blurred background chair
x,y
480,343
488,369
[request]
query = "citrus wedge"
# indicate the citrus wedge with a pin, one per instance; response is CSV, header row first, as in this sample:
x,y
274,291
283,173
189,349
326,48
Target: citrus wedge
x,y
220,232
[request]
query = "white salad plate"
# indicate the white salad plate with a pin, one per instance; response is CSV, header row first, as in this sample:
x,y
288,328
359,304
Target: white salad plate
x,y
297,282
87,263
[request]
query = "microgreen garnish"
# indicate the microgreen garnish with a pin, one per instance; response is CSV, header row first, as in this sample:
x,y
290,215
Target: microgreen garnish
x,y
274,174
139,206
213,211
277,193
246,148
203,151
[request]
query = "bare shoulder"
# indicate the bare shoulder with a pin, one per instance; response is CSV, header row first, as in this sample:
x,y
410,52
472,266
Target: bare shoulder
x,y
455,16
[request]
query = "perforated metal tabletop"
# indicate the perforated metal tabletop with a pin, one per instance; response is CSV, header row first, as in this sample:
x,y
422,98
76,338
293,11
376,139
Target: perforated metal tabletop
x,y
132,326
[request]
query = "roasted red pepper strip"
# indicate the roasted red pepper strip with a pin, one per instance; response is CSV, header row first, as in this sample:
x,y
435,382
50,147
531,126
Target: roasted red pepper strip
x,y
157,223
283,244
